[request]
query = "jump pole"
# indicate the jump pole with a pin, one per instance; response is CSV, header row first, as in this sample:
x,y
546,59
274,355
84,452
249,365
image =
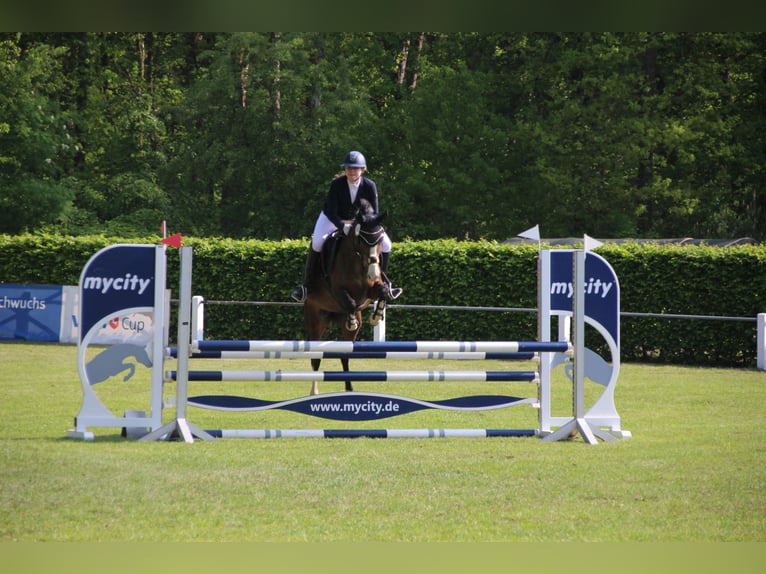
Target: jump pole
x,y
385,346
371,433
180,428
341,376
463,356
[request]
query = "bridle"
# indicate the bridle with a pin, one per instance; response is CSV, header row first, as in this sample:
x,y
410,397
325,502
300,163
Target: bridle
x,y
371,240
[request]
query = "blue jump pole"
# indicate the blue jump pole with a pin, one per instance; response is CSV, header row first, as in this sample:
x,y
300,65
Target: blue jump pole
x,y
385,346
341,376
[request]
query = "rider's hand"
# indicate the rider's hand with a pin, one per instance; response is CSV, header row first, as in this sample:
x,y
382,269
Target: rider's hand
x,y
346,228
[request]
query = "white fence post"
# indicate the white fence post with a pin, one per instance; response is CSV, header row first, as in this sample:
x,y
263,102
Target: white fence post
x,y
761,327
379,331
198,318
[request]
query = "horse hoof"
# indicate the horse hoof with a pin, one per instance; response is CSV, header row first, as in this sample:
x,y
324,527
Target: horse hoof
x,y
352,325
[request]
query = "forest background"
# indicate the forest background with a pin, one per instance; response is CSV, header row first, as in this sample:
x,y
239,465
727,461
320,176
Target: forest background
x,y
468,135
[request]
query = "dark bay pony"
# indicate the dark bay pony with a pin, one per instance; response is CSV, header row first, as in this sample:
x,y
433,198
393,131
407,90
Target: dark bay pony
x,y
349,281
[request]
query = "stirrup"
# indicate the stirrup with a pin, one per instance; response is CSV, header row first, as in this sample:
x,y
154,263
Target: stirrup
x,y
391,293
300,294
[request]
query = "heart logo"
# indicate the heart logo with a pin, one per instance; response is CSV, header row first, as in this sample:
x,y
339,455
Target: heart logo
x,y
114,323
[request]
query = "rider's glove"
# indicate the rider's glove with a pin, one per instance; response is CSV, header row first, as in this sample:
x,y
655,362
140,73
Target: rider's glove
x,y
346,228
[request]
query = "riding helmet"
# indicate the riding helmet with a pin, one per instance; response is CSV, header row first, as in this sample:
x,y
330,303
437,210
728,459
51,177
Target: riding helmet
x,y
354,159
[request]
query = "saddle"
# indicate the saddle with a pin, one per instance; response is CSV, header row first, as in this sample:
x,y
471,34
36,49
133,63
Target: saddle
x,y
329,251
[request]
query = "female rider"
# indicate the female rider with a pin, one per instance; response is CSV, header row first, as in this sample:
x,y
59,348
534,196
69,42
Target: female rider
x,y
342,200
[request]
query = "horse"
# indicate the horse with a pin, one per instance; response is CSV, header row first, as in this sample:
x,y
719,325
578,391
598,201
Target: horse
x,y
348,282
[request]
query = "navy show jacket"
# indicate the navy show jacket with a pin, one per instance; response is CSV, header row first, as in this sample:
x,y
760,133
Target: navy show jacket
x,y
338,206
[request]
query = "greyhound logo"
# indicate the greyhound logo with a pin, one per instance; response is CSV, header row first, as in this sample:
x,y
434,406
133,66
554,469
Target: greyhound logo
x,y
596,368
112,361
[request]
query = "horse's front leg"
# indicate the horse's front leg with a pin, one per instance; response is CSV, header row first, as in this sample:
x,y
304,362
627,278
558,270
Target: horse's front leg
x,y
379,309
353,315
349,334
352,323
379,312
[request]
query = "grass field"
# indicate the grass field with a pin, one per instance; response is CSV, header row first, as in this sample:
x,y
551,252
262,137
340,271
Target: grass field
x,y
694,470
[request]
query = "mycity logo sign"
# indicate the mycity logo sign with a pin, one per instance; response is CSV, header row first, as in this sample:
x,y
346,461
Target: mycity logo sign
x,y
594,286
128,282
601,289
117,281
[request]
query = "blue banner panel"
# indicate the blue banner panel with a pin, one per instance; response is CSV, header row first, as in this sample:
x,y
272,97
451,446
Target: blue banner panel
x,y
355,406
30,312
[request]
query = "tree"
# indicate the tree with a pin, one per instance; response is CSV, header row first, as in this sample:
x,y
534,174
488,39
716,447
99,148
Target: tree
x,y
469,135
35,144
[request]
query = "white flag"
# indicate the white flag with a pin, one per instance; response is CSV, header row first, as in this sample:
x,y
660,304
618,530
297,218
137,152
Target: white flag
x,y
590,243
531,233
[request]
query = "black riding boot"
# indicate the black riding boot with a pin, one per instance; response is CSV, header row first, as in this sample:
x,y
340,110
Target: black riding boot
x,y
302,291
389,290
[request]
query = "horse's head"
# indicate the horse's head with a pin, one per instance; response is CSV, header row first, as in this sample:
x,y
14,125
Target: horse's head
x,y
368,233
368,224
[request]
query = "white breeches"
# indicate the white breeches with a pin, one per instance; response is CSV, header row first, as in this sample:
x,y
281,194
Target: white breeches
x,y
324,227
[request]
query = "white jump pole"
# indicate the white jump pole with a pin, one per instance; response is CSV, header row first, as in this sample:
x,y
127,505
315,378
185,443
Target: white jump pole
x,y
180,427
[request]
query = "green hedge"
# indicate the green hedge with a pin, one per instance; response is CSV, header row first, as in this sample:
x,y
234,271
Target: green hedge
x,y
692,280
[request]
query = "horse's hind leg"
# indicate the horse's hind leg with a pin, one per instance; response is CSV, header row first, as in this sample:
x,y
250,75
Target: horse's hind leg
x,y
315,385
314,325
344,363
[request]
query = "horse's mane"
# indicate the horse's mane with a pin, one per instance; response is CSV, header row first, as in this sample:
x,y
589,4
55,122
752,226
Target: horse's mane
x,y
368,216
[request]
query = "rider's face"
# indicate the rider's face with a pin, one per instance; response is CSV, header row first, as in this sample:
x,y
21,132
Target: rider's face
x,y
354,173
